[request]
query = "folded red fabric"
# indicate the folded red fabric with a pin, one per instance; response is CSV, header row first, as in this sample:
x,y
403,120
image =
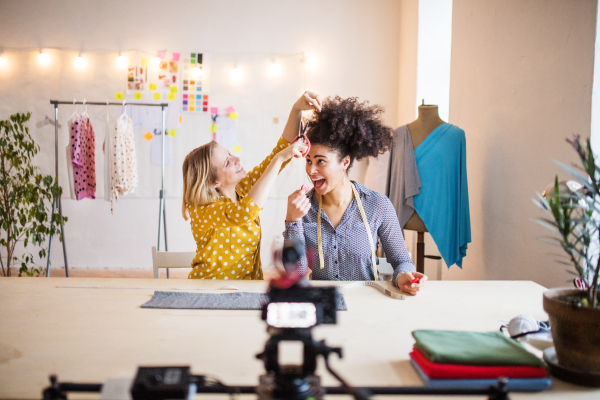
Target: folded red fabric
x,y
454,371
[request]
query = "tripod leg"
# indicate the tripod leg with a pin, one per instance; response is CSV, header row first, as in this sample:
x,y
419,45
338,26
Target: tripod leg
x,y
164,200
49,253
160,212
62,234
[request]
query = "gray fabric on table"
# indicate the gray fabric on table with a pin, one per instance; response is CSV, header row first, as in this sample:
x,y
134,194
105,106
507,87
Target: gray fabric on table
x,y
216,301
403,177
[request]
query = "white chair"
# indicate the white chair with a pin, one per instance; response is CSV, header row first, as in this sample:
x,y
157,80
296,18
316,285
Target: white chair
x,y
170,259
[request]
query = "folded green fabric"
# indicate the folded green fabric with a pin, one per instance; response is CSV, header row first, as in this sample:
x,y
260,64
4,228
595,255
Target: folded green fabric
x,y
473,348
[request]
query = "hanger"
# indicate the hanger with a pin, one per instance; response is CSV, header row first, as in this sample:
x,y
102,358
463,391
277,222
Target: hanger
x,y
75,114
124,115
85,113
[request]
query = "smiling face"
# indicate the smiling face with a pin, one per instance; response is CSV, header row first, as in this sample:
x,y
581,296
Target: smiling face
x,y
227,167
324,168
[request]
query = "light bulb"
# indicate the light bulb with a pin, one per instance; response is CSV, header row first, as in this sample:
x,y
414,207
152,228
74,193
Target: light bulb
x,y
44,58
155,61
121,61
236,73
275,69
79,61
311,62
196,72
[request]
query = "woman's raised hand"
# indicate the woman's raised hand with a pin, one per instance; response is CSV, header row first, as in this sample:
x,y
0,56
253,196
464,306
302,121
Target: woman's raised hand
x,y
293,150
298,206
309,101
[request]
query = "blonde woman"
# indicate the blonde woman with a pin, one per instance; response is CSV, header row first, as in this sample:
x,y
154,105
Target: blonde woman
x,y
224,202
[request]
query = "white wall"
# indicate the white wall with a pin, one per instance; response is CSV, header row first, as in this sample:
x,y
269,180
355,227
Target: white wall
x,y
355,44
521,83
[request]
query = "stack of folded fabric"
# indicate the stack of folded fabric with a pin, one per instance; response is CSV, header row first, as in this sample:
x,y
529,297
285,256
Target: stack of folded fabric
x,y
455,359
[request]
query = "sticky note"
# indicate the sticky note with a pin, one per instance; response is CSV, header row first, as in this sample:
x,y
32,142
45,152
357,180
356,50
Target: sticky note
x,y
213,128
205,109
172,132
175,56
205,97
185,96
161,54
152,86
233,115
198,96
119,96
214,110
180,119
237,149
192,103
148,136
145,62
185,109
192,82
173,88
205,103
137,95
171,96
156,96
229,109
191,108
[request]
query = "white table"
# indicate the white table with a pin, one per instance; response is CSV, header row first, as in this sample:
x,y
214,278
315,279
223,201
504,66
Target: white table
x,y
90,335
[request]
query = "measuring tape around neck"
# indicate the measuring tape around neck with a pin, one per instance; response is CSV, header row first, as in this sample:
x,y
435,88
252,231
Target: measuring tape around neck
x,y
367,228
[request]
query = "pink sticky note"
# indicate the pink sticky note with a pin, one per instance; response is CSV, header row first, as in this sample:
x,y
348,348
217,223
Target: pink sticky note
x,y
230,109
214,110
161,54
175,56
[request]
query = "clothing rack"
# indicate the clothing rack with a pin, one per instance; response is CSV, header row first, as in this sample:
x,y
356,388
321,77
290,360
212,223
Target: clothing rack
x,y
56,201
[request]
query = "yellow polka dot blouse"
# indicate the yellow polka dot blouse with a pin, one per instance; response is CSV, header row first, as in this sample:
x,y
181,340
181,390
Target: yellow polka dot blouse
x,y
228,234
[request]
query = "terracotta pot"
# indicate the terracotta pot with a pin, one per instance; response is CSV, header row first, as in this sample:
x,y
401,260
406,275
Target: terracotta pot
x,y
575,331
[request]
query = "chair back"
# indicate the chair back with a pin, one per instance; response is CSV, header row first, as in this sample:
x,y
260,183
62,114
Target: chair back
x,y
170,259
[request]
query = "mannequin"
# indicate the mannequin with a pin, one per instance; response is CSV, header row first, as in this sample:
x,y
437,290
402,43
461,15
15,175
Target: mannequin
x,y
419,129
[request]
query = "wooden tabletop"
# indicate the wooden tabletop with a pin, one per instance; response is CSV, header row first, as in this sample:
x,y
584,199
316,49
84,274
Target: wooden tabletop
x,y
93,329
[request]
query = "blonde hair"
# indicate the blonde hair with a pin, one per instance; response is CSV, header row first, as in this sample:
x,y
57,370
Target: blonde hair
x,y
198,179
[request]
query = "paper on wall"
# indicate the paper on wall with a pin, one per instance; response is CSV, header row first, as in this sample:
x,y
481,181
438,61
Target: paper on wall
x,y
226,134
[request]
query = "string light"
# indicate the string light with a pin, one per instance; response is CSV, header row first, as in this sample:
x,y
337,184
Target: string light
x,y
196,72
79,61
44,58
311,62
275,68
121,61
236,73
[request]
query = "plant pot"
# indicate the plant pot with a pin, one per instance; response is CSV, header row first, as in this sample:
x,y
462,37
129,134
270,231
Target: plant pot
x,y
575,331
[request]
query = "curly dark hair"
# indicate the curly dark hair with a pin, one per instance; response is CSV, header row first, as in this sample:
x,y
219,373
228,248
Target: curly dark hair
x,y
351,128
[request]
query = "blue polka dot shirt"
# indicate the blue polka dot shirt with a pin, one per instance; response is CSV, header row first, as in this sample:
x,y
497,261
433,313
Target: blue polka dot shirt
x,y
346,249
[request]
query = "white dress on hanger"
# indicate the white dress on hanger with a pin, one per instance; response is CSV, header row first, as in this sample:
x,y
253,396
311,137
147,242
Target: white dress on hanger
x,y
123,162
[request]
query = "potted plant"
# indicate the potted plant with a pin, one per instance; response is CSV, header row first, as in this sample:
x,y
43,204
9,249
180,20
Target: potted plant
x,y
572,210
25,196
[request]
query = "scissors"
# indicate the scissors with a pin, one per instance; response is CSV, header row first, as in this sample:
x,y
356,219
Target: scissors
x,y
302,137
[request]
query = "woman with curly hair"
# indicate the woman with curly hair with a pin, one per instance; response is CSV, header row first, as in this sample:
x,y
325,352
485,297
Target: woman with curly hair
x,y
339,221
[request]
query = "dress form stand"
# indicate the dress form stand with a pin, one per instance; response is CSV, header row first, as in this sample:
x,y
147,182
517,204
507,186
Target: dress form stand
x,y
427,120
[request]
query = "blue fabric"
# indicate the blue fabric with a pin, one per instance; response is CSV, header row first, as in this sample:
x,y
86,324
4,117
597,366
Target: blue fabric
x,y
443,203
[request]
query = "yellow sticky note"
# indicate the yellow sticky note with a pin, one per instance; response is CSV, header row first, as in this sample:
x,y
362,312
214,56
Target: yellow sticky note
x,y
172,132
119,96
148,136
213,128
145,62
137,95
233,115
152,86
156,96
171,96
237,149
173,89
